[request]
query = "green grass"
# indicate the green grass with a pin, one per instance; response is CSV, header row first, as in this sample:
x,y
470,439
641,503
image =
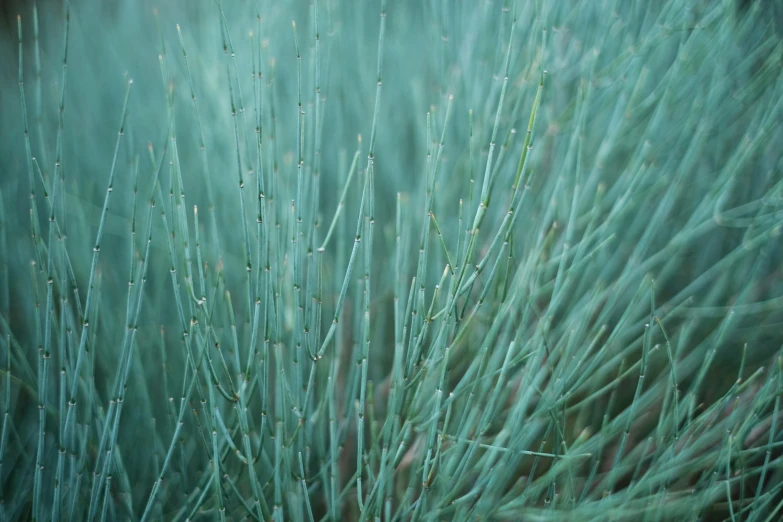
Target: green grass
x,y
396,260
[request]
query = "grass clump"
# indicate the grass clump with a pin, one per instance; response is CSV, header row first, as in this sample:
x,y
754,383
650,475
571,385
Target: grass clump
x,y
391,261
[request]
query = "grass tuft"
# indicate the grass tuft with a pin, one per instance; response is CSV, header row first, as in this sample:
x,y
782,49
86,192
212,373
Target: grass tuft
x,y
391,261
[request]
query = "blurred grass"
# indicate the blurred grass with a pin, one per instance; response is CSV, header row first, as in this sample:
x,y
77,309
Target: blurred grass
x,y
599,340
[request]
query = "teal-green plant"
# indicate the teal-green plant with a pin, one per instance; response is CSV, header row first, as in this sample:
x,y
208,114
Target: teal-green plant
x,y
391,260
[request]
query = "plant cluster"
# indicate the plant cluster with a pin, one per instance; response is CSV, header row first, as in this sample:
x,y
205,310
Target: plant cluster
x,y
396,260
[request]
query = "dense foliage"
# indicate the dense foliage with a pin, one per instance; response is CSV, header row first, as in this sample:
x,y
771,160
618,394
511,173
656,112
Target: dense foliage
x,y
544,282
